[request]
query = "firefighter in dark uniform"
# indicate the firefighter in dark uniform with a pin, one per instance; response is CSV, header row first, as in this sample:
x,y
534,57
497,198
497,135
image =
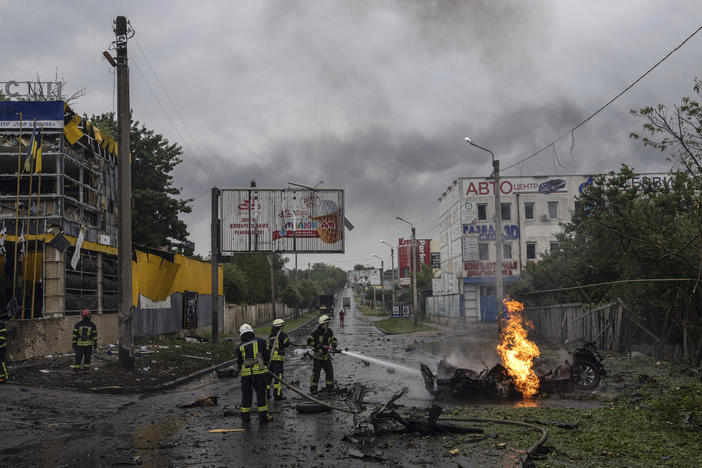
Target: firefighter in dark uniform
x,y
277,342
4,376
84,341
251,356
322,341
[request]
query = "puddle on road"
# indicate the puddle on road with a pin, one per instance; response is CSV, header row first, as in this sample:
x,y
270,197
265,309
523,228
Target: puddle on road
x,y
148,440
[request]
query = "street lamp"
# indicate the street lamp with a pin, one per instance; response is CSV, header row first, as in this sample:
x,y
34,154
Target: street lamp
x,y
371,285
392,264
414,269
498,232
381,280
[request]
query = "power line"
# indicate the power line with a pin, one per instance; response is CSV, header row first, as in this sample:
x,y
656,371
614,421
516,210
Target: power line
x,y
211,170
180,116
572,130
640,280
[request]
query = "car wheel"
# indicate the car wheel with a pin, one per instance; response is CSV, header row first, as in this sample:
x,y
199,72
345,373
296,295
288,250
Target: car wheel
x,y
585,375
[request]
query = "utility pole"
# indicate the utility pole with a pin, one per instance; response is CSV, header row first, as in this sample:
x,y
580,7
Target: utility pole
x,y
270,264
498,244
214,242
124,181
392,264
382,283
499,288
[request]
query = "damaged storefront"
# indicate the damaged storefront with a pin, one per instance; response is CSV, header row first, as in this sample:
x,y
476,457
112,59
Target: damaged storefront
x,y
58,237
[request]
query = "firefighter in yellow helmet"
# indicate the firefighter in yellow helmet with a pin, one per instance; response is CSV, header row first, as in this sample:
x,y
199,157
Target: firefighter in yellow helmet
x,y
277,342
252,355
323,342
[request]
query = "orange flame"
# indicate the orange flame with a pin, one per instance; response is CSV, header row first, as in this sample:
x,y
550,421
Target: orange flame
x,y
517,351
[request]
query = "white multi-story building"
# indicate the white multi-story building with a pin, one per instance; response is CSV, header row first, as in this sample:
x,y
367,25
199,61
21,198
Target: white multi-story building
x,y
532,208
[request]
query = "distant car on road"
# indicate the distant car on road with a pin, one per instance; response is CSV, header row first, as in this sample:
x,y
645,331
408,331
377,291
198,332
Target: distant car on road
x,y
552,185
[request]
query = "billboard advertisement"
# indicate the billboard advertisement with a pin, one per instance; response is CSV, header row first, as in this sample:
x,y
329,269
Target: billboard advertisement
x,y
279,220
49,114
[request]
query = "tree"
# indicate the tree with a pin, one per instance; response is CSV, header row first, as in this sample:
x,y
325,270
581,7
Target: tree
x,y
309,292
291,296
678,132
250,278
156,208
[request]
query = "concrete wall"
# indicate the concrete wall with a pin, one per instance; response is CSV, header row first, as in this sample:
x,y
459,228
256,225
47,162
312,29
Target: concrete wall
x,y
255,315
41,337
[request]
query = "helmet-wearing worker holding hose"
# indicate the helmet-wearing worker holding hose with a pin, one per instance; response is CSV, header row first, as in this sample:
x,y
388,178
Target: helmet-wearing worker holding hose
x,y
277,342
252,356
322,341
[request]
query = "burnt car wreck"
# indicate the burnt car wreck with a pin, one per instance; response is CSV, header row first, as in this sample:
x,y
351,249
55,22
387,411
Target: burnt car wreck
x,y
583,371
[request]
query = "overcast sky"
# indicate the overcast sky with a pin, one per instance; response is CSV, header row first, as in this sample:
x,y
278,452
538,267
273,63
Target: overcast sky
x,y
369,96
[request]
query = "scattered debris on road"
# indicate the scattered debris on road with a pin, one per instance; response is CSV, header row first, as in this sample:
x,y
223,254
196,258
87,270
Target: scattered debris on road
x,y
206,401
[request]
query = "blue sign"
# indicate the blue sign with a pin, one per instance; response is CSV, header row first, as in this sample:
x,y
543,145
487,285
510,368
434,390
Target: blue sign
x,y
396,311
47,113
405,311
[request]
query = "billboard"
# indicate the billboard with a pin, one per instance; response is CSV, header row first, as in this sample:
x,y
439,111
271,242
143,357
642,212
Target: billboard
x,y
279,220
49,114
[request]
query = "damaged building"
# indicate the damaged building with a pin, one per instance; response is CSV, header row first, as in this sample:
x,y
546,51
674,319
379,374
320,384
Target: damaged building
x,y
58,237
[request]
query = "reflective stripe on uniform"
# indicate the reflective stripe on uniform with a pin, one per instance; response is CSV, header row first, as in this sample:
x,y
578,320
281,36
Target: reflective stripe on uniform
x,y
245,409
251,365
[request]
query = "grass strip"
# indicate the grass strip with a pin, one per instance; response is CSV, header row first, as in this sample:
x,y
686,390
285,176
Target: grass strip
x,y
367,311
398,326
265,329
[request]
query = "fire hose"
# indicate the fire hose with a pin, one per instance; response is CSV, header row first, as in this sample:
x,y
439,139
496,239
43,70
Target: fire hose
x,y
309,397
523,458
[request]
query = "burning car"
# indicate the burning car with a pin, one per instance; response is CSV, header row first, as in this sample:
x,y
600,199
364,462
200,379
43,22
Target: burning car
x,y
584,372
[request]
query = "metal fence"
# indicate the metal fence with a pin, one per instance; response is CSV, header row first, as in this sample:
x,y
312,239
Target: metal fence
x,y
444,309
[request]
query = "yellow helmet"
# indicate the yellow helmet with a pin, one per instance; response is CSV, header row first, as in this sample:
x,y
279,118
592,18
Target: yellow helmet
x,y
324,319
278,322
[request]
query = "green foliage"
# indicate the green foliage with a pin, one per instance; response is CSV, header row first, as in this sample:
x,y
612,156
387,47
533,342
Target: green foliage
x,y
619,232
394,326
309,293
291,296
234,283
623,233
247,278
156,208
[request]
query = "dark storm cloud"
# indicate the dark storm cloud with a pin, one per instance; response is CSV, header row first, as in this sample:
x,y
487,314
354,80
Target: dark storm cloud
x,y
374,97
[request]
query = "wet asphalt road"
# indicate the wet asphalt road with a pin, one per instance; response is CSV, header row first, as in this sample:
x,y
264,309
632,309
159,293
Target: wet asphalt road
x,y
44,427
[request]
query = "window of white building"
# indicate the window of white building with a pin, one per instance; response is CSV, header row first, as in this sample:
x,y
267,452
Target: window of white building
x,y
507,251
553,245
483,252
531,250
506,211
529,210
553,209
482,211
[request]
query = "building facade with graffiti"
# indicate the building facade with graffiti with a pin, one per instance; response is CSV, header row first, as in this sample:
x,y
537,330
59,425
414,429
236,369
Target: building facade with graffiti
x,y
531,209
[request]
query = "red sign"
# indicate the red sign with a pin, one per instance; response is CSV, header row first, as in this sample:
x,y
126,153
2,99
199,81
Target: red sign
x,y
404,255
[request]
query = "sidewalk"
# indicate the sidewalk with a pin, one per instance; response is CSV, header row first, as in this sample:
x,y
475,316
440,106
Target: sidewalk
x,y
159,365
